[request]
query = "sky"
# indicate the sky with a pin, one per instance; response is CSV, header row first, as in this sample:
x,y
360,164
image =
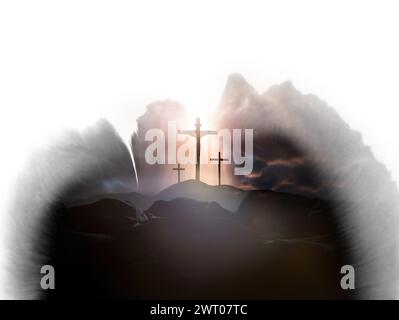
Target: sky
x,y
65,64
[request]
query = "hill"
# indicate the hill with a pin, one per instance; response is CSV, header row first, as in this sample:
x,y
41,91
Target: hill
x,y
273,246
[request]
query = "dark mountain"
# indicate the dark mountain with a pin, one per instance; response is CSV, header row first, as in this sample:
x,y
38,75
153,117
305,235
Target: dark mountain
x,y
107,216
132,199
183,207
197,249
284,215
227,197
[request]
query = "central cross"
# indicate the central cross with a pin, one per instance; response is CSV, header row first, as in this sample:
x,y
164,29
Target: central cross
x,y
197,134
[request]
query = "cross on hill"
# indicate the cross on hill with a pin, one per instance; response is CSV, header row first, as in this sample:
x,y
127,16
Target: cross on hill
x,y
219,160
178,169
198,134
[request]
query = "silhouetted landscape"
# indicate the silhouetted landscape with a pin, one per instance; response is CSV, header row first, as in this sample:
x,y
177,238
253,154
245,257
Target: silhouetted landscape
x,y
273,245
115,226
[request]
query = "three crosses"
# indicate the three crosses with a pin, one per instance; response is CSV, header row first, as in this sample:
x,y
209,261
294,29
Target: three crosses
x,y
198,134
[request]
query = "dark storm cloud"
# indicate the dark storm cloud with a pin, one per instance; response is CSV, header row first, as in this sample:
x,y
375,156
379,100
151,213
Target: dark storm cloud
x,y
296,131
297,177
314,152
272,147
258,165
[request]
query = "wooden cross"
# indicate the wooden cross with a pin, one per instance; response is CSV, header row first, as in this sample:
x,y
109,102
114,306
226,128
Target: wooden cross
x,y
178,169
219,160
198,134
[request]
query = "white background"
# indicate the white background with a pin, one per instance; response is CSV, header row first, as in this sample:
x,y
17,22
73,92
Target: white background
x,y
66,63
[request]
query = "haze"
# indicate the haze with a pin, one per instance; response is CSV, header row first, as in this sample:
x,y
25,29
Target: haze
x,y
67,64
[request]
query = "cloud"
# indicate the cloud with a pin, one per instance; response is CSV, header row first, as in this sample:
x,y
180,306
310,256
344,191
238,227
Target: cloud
x,y
302,146
109,166
283,175
298,132
155,177
73,165
78,164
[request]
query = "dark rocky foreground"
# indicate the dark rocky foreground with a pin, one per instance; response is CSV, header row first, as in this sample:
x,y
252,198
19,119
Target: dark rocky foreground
x,y
274,246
